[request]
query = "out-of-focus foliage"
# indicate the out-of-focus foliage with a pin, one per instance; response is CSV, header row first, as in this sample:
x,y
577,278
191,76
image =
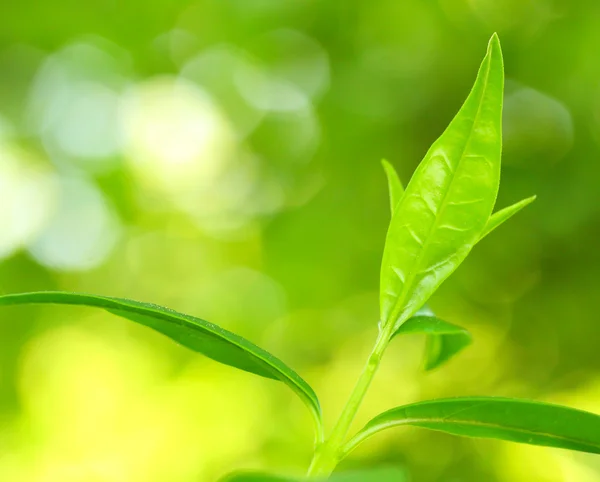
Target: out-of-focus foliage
x,y
385,474
223,158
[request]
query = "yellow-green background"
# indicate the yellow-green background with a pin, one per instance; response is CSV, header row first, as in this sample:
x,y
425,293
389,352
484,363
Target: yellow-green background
x,y
221,157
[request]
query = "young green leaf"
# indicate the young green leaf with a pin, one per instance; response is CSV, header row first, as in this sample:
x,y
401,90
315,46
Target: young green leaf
x,y
441,348
191,332
448,201
504,215
395,187
381,474
444,339
396,191
508,419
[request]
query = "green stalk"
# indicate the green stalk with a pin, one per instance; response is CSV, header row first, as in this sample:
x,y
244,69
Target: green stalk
x,y
327,455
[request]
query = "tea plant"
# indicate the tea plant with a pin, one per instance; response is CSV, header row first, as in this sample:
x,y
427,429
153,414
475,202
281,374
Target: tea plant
x,y
444,211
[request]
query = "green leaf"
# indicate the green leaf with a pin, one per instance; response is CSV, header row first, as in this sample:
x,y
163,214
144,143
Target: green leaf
x,y
396,191
505,214
448,201
256,477
191,332
444,339
509,419
395,186
381,474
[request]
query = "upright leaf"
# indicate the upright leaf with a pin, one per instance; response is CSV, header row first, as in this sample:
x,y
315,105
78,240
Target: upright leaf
x,y
508,419
504,215
395,187
396,191
380,474
444,340
448,201
194,333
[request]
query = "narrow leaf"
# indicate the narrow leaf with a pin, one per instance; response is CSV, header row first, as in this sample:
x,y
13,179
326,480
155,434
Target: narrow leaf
x,y
505,214
508,419
444,339
395,187
381,474
448,201
191,332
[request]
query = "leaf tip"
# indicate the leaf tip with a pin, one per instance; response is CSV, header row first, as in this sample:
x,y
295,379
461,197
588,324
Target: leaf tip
x,y
527,201
494,49
494,41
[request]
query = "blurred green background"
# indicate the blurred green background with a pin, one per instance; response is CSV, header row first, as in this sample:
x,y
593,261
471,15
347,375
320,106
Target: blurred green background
x,y
222,157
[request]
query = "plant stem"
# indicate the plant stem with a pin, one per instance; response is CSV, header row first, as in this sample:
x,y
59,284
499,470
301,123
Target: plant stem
x,y
327,455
